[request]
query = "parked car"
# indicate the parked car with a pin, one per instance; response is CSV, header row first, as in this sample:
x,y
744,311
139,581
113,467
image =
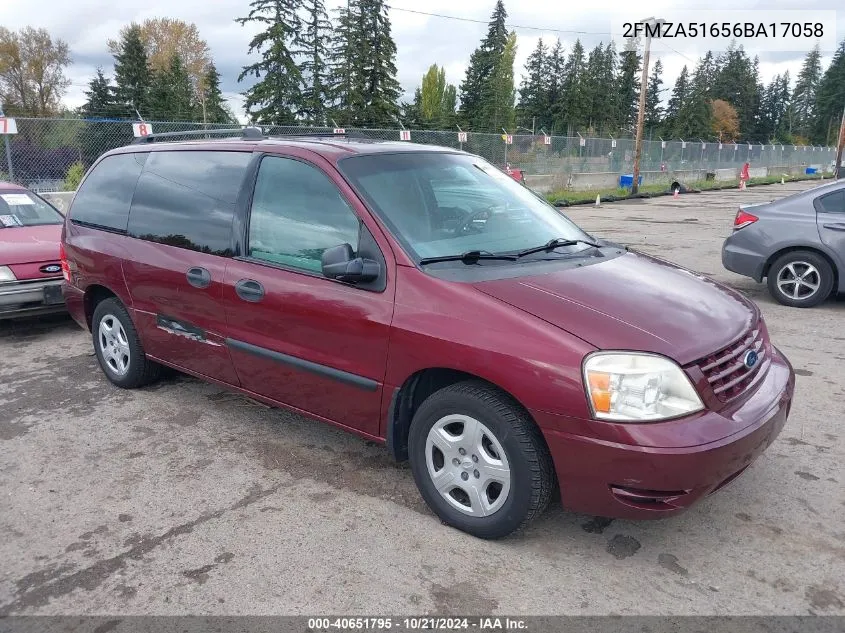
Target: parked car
x,y
516,174
421,298
30,273
796,243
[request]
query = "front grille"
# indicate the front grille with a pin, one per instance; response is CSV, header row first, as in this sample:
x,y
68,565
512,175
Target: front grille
x,y
726,371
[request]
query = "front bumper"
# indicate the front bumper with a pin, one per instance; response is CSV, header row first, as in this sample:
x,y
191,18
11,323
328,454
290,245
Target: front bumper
x,y
742,258
31,297
653,480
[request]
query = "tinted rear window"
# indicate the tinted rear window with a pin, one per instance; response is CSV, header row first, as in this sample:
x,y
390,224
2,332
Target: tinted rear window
x,y
104,197
187,199
833,202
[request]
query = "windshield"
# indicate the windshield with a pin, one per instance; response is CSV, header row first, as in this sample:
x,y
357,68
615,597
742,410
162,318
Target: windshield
x,y
439,204
23,208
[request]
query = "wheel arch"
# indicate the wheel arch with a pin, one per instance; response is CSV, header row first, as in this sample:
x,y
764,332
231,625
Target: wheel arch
x,y
94,295
405,400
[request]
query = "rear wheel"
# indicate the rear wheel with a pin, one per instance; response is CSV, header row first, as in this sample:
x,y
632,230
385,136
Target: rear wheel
x,y
801,279
118,348
479,461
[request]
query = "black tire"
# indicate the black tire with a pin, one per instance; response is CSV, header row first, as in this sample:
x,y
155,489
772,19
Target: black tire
x,y
779,272
532,478
139,370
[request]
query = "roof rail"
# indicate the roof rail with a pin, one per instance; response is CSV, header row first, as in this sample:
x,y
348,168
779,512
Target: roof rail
x,y
247,133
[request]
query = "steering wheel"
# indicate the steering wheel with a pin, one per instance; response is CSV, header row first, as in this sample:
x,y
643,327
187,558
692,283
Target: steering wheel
x,y
469,226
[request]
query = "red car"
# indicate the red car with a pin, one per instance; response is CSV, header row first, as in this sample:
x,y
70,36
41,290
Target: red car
x,y
419,297
30,273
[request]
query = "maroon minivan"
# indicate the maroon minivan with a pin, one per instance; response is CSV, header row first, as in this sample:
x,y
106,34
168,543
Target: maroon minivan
x,y
420,297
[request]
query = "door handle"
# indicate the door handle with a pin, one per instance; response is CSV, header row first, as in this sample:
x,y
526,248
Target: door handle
x,y
835,226
198,277
249,290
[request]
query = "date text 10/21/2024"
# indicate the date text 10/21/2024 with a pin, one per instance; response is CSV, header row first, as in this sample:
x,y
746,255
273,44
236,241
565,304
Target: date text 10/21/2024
x,y
424,623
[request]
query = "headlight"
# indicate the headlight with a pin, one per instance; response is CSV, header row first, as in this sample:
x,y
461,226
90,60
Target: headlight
x,y
6,274
631,387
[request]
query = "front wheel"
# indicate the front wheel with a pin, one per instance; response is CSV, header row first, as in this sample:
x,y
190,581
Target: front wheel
x,y
801,279
479,461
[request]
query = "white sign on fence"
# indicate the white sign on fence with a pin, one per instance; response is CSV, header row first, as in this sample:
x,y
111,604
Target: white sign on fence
x,y
583,142
339,130
404,135
683,144
720,147
142,129
547,139
749,147
462,137
508,139
662,144
8,126
613,143
704,146
736,147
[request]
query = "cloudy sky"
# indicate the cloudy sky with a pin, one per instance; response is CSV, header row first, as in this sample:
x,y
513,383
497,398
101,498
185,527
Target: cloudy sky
x,y
421,40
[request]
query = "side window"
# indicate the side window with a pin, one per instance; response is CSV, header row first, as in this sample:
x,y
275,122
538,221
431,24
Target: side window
x,y
104,197
832,202
187,199
297,213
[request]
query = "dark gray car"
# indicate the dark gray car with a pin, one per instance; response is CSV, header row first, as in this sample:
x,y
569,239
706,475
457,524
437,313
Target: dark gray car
x,y
797,243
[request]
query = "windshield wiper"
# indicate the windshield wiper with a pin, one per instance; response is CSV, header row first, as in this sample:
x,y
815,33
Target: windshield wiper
x,y
469,257
553,244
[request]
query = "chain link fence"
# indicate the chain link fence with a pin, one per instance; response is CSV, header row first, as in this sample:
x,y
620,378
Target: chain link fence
x,y
45,150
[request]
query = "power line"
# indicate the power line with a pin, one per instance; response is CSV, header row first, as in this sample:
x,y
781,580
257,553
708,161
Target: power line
x,y
512,26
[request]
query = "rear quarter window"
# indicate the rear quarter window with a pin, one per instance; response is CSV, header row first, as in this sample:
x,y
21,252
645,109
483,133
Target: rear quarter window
x,y
187,199
103,198
832,202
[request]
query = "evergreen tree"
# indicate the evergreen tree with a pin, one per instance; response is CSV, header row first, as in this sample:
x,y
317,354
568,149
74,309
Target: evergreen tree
x,y
803,111
314,50
595,94
477,89
500,98
211,106
829,100
573,112
131,73
534,90
653,108
104,135
737,82
363,63
773,109
171,93
555,63
676,102
628,85
695,116
100,98
276,98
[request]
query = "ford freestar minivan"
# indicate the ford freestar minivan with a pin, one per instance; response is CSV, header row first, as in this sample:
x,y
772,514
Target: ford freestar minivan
x,y
420,297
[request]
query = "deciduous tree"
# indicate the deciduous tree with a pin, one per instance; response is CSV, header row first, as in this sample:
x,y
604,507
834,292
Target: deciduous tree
x,y
32,71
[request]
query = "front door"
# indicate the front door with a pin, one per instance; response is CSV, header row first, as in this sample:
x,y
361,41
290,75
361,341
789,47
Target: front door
x,y
295,336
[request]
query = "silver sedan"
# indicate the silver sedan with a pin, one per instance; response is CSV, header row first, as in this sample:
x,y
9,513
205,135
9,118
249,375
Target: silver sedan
x,y
796,243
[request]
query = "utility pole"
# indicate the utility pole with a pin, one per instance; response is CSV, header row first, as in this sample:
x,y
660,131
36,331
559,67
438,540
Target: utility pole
x,y
838,168
638,144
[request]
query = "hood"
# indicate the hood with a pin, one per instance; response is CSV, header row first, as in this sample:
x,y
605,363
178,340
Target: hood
x,y
633,302
26,244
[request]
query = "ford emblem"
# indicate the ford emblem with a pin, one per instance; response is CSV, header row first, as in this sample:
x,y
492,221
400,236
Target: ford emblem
x,y
50,268
750,358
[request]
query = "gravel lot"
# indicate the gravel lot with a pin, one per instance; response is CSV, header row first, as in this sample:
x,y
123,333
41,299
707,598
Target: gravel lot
x,y
182,498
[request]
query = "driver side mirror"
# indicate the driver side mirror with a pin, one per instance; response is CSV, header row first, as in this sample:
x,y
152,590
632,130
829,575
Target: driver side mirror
x,y
339,262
